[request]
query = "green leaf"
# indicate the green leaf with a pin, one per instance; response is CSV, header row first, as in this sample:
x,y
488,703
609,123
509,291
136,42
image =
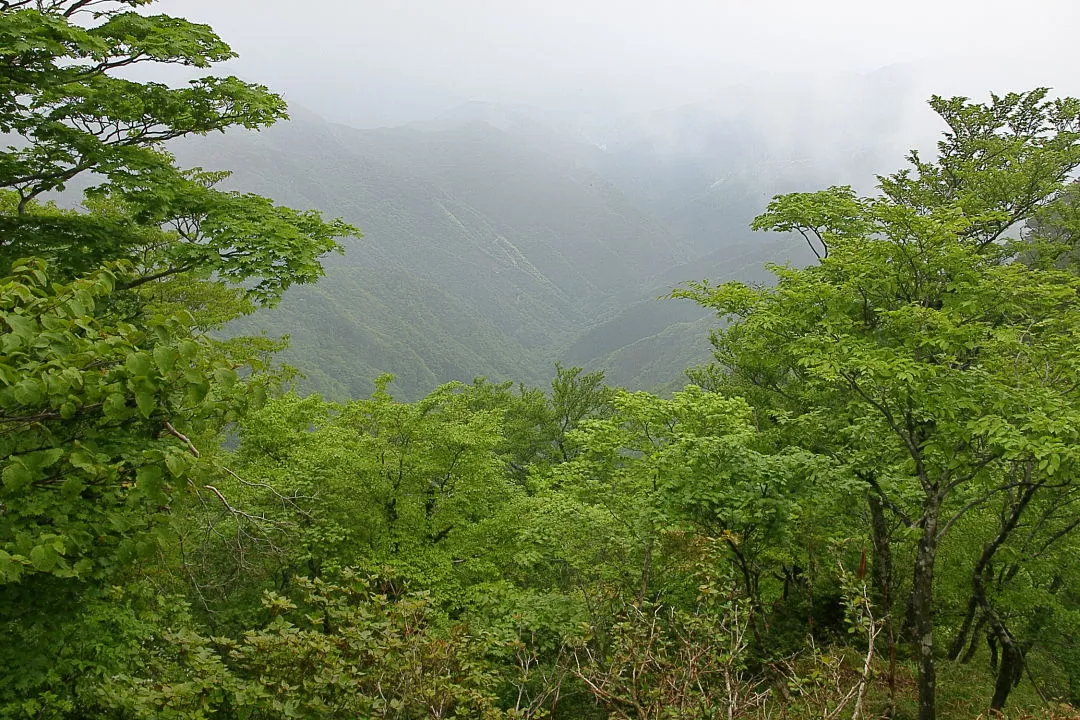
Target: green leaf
x,y
28,392
165,357
83,459
177,464
43,458
225,377
150,480
139,364
10,567
115,407
44,558
188,349
16,475
197,391
146,401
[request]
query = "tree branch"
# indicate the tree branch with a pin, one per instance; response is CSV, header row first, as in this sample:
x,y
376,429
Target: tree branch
x,y
183,438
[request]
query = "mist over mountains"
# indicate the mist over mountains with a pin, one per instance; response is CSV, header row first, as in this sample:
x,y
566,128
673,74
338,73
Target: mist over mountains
x,y
500,239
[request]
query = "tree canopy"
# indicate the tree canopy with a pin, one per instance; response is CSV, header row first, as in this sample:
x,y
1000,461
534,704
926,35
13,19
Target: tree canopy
x,y
874,481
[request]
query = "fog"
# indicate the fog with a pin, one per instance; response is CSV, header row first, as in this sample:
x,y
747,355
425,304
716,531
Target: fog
x,y
385,62
567,162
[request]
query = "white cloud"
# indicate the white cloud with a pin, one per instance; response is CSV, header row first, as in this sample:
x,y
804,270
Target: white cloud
x,y
370,61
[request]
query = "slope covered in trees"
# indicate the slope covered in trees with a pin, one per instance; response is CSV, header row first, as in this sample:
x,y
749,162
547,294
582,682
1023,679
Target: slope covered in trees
x,y
531,242
865,506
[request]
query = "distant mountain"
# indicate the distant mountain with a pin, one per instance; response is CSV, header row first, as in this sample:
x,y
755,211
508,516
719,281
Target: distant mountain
x,y
542,191
496,244
485,252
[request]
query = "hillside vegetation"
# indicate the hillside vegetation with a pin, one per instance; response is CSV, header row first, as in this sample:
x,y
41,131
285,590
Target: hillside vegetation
x,y
493,246
864,503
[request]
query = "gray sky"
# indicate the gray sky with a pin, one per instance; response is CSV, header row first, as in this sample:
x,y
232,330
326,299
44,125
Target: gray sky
x,y
384,61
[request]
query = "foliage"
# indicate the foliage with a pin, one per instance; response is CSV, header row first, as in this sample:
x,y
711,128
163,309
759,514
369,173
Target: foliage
x,y
924,364
95,413
109,651
175,544
358,652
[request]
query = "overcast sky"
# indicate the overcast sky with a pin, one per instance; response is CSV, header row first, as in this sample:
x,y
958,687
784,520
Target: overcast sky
x,y
372,62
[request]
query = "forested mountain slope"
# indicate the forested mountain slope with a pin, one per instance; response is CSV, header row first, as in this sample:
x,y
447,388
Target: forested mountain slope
x,y
865,506
482,255
432,291
496,245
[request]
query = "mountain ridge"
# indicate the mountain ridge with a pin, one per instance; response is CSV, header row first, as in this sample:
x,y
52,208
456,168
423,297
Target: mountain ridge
x,y
496,245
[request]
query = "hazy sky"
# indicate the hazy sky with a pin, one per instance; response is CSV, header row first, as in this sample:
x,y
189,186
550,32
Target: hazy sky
x,y
384,61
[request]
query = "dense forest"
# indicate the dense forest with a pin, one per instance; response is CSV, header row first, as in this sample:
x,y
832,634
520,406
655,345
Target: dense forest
x,y
495,246
863,506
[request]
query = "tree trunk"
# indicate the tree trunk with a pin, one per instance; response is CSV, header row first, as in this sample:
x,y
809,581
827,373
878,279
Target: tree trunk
x,y
960,640
881,574
1009,671
646,570
1011,666
922,606
973,646
1012,655
881,571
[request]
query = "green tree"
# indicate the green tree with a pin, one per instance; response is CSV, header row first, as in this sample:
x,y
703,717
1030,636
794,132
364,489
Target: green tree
x,y
918,359
576,396
373,482
62,98
112,396
95,415
101,366
363,648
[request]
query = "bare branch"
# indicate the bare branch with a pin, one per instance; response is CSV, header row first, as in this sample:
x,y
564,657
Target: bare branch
x,y
183,438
